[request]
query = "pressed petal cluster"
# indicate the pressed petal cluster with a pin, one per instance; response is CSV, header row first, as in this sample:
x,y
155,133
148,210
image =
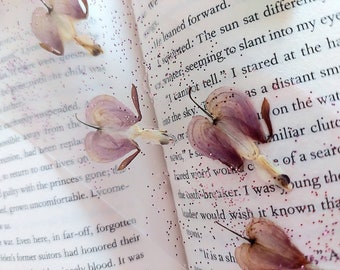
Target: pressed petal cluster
x,y
116,130
229,132
54,24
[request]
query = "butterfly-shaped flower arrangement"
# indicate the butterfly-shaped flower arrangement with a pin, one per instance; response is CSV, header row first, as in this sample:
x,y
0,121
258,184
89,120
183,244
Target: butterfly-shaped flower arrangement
x,y
229,132
54,24
116,130
269,248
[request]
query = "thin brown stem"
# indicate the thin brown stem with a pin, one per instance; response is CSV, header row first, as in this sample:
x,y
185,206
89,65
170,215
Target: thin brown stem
x,y
199,106
86,124
50,9
239,235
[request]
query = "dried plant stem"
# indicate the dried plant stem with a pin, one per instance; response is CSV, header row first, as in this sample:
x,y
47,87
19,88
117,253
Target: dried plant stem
x,y
283,179
199,106
239,235
86,124
90,46
50,9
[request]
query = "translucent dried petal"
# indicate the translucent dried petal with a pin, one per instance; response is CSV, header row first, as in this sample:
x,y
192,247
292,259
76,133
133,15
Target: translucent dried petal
x,y
270,249
265,111
72,8
107,111
234,109
135,100
102,147
45,29
210,141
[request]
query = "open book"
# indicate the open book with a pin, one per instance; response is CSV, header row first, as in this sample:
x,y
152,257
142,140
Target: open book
x,y
61,210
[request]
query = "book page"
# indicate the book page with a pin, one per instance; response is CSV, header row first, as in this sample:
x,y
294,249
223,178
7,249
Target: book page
x,y
284,51
59,209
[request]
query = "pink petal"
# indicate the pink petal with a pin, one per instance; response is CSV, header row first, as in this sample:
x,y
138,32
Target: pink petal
x,y
71,8
135,101
102,147
265,111
234,109
210,141
271,249
107,111
45,29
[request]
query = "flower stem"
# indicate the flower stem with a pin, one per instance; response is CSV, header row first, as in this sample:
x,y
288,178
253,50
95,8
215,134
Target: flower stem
x,y
282,179
199,106
239,235
86,124
50,9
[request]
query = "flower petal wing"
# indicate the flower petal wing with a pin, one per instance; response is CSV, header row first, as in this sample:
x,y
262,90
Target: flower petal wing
x,y
210,141
72,8
253,258
272,237
107,111
258,258
102,147
234,108
44,27
272,249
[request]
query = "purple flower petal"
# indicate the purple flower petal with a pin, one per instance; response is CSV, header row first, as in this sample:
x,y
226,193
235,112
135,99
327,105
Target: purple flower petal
x,y
135,100
72,8
270,248
233,109
212,142
46,30
102,147
108,112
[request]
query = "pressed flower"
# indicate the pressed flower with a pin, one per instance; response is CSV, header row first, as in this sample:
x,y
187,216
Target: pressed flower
x,y
269,248
116,130
56,25
231,130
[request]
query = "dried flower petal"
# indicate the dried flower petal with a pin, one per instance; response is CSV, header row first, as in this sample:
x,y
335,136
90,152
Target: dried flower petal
x,y
102,147
234,109
230,136
269,249
265,111
46,30
56,25
210,141
71,8
108,112
116,130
